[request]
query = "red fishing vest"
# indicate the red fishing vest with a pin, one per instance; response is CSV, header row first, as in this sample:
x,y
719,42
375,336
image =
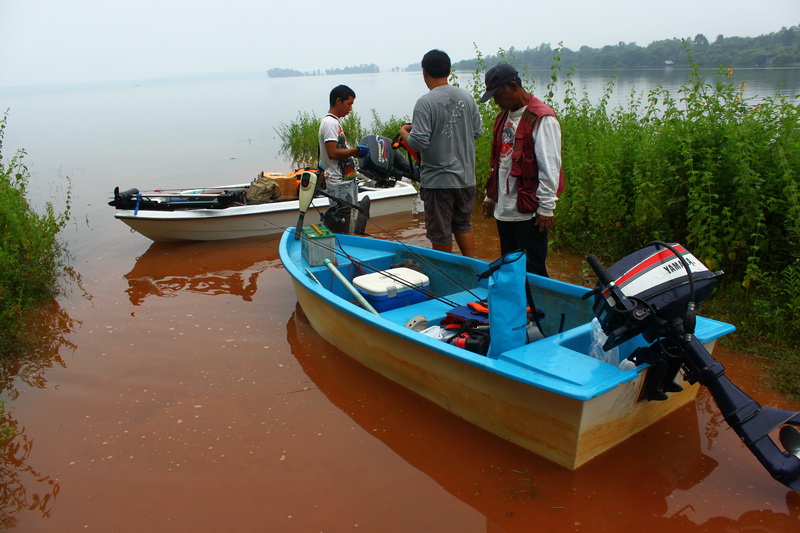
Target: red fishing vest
x,y
523,164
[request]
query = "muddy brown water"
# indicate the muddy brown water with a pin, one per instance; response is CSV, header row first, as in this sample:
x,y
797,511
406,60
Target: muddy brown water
x,y
189,393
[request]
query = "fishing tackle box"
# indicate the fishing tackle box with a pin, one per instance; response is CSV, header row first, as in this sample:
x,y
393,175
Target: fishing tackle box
x,y
393,288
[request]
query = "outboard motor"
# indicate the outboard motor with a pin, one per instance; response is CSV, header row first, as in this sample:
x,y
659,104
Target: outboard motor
x,y
385,164
655,292
124,199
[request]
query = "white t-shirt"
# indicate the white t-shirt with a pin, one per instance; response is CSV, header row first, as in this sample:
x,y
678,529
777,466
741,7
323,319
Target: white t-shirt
x,y
330,129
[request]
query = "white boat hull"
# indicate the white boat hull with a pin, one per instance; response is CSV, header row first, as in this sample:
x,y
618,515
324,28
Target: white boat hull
x,y
251,220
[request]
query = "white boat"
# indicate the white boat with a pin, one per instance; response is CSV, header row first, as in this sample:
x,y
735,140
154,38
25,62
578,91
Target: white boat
x,y
199,215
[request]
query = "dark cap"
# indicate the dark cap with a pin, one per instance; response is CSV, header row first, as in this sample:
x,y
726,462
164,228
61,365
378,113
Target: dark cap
x,y
498,76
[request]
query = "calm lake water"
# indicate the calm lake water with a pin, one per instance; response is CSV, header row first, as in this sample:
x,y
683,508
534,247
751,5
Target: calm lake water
x,y
185,391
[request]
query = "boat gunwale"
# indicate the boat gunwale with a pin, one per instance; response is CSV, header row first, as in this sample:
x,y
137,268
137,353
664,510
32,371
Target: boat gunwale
x,y
267,208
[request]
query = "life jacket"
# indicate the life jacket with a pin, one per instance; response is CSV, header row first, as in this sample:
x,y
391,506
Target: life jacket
x,y
523,165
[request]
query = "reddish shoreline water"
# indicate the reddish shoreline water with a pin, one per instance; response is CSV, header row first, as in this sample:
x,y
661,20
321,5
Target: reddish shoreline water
x,y
192,395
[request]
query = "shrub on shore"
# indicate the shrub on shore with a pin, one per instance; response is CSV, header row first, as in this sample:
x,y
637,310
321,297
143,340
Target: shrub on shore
x,y
31,257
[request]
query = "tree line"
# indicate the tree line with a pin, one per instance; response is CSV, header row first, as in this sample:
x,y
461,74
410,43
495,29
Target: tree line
x,y
777,49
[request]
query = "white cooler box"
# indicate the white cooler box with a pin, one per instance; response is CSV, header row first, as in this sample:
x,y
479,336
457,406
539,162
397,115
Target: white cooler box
x,y
385,292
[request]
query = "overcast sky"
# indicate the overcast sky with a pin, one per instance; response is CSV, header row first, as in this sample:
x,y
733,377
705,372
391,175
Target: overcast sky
x,y
64,41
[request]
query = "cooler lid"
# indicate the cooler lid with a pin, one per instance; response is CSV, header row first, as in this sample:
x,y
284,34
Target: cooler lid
x,y
387,282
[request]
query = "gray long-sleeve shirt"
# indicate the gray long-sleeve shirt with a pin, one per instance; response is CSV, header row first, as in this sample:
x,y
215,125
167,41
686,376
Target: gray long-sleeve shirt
x,y
445,124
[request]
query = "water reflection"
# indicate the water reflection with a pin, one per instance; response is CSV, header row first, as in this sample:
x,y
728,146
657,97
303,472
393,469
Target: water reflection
x,y
42,349
654,480
228,267
22,487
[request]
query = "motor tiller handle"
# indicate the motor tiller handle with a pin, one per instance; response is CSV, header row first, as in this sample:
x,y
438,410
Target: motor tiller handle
x,y
308,183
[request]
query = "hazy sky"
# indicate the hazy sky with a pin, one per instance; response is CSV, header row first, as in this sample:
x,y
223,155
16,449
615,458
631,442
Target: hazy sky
x,y
63,41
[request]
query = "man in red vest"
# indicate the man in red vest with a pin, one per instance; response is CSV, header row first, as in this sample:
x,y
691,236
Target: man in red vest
x,y
526,176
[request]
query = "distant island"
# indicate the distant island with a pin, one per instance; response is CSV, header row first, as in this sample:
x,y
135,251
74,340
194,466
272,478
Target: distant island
x,y
288,72
372,68
285,73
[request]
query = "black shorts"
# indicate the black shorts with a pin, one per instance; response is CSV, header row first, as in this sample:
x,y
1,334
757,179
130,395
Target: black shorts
x,y
448,212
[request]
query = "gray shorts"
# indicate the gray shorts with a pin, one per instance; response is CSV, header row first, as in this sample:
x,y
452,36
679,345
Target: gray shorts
x,y
347,191
448,212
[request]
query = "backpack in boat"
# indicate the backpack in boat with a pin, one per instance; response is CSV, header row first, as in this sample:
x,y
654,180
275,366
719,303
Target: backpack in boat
x,y
470,335
263,189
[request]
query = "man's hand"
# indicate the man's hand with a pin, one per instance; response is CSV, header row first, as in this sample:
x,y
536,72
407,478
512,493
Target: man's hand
x,y
544,223
405,130
362,151
487,209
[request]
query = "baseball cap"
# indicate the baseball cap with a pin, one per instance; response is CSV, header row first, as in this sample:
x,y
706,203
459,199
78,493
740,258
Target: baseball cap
x,y
498,76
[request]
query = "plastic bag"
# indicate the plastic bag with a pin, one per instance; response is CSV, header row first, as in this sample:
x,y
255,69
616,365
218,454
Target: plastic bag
x,y
598,339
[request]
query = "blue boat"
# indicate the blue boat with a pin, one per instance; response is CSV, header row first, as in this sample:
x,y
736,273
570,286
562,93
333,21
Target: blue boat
x,y
588,370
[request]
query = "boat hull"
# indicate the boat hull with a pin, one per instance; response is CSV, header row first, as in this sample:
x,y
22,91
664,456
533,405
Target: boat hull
x,y
549,396
566,430
250,220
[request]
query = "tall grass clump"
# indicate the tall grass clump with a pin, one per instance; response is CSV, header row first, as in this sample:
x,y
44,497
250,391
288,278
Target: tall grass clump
x,y
31,257
299,138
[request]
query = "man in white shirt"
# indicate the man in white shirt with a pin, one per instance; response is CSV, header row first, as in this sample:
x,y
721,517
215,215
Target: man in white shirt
x,y
337,160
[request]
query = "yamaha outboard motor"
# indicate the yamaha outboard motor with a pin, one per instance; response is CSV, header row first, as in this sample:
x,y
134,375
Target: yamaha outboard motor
x,y
655,292
385,164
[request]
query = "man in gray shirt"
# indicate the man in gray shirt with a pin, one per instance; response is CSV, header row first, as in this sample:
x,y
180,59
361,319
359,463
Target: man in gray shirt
x,y
444,127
